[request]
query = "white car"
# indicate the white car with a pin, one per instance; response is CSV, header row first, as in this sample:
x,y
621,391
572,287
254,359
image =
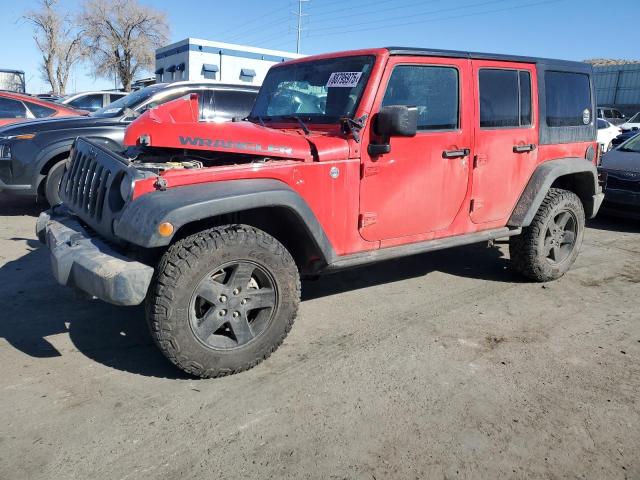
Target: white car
x,y
632,124
92,101
606,133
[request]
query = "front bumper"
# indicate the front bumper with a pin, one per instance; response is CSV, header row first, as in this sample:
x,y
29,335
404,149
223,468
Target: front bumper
x,y
83,261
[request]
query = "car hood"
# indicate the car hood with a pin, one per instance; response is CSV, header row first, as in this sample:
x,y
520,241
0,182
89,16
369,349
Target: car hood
x,y
176,125
48,124
623,161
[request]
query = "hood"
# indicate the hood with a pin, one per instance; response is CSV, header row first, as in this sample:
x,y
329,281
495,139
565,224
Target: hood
x,y
48,124
176,124
624,161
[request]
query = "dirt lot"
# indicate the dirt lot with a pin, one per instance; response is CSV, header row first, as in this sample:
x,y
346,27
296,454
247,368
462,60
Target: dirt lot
x,y
444,365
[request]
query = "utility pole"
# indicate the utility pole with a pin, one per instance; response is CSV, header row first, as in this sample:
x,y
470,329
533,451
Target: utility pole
x,y
299,28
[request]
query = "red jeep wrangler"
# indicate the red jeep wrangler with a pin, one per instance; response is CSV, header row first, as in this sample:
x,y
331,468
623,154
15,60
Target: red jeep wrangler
x,y
346,159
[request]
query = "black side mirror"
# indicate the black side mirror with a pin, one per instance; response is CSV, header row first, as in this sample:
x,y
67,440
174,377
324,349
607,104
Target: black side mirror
x,y
397,121
393,121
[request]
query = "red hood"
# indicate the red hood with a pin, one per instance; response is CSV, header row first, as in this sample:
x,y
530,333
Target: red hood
x,y
176,125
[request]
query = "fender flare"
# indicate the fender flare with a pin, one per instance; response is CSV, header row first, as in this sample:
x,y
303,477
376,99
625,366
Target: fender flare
x,y
138,223
543,178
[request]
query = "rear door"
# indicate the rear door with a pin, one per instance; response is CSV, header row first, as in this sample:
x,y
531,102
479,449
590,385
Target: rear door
x,y
421,184
506,137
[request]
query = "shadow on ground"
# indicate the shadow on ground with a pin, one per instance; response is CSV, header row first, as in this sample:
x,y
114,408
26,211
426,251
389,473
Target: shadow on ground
x,y
614,223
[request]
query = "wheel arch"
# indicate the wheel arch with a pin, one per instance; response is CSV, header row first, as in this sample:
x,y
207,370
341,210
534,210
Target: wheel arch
x,y
574,174
269,205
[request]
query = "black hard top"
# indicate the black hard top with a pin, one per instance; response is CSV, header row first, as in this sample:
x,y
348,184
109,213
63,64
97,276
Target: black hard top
x,y
431,52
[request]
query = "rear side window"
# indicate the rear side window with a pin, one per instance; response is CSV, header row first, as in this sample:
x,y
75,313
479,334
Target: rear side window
x,y
40,111
10,108
568,99
432,89
505,98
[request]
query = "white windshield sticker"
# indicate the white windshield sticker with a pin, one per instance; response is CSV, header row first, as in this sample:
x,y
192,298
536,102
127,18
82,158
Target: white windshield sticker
x,y
344,79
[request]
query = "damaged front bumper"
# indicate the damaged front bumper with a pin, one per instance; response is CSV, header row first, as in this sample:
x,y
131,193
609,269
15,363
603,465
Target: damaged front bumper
x,y
85,262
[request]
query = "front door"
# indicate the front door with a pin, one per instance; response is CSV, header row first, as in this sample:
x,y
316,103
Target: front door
x,y
420,185
506,137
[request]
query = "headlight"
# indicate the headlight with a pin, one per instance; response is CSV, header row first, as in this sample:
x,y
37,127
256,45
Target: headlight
x,y
5,152
126,188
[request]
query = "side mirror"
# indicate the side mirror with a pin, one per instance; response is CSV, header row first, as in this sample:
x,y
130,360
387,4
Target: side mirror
x,y
397,121
393,121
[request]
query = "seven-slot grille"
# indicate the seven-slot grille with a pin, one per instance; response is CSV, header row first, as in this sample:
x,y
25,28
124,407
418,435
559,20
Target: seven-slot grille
x,y
90,187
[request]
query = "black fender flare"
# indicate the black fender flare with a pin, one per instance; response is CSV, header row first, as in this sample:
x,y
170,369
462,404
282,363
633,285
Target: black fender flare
x,y
582,171
138,223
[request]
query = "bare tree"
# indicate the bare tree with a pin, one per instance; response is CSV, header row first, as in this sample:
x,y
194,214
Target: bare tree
x,y
59,42
122,36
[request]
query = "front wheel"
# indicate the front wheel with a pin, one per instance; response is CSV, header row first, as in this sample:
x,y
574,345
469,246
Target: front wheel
x,y
223,300
547,248
52,183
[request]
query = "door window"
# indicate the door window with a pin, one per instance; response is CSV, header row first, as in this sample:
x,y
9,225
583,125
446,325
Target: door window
x,y
40,111
432,89
12,108
88,102
505,98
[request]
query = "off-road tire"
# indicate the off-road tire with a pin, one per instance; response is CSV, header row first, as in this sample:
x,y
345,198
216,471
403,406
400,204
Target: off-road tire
x,y
185,264
52,183
527,249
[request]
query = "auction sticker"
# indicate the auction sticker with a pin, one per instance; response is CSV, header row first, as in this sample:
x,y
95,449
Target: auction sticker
x,y
344,79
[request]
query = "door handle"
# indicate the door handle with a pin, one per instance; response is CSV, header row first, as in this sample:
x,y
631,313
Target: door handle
x,y
463,152
524,148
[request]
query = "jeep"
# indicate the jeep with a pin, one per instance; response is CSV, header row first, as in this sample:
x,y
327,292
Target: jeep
x,y
346,159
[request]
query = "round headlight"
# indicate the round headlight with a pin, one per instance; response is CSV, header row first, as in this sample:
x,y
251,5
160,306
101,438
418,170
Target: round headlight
x,y
126,188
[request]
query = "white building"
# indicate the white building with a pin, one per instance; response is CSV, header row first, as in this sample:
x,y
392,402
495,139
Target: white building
x,y
195,59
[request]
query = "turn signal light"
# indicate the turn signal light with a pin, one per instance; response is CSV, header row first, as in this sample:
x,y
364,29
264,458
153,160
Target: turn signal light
x,y
165,229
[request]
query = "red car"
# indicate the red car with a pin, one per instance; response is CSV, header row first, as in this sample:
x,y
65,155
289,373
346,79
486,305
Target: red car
x,y
18,107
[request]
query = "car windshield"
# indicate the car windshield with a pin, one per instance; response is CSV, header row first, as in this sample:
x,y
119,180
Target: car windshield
x,y
320,91
631,145
130,101
635,118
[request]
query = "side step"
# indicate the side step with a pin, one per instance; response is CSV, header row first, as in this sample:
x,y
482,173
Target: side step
x,y
372,256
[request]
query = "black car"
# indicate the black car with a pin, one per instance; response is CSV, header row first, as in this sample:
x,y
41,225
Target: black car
x,y
33,154
621,167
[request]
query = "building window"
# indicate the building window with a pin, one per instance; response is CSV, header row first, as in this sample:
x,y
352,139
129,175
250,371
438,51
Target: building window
x,y
210,71
247,74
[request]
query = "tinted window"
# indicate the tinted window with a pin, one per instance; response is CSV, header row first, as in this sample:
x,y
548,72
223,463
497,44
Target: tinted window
x,y
12,108
88,102
602,124
132,100
433,90
616,114
568,99
40,111
230,104
115,96
505,98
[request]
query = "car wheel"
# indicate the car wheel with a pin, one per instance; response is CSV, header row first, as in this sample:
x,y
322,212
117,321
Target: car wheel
x,y
223,300
547,248
52,183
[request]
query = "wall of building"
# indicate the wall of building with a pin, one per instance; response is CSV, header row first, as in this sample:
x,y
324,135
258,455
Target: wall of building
x,y
196,60
618,86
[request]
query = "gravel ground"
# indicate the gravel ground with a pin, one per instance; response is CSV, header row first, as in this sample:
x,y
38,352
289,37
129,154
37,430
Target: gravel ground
x,y
445,365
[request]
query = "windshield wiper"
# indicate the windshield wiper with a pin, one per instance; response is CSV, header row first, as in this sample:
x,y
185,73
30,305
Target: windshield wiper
x,y
257,117
299,120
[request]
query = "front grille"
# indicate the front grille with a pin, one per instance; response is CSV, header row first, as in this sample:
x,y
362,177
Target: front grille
x,y
624,181
90,187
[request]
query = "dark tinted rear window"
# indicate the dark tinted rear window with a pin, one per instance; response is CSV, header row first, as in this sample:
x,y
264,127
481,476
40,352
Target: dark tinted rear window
x,y
568,99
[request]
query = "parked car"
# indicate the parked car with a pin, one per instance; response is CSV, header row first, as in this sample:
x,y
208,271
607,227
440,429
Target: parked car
x,y
611,115
33,155
632,124
50,97
621,166
92,101
606,134
623,137
403,151
18,107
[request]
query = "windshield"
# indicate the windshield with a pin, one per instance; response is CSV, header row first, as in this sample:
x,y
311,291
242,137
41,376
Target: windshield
x,y
131,101
635,118
631,145
320,91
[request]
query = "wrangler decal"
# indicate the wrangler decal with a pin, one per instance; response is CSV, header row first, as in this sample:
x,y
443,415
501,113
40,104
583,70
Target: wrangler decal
x,y
218,143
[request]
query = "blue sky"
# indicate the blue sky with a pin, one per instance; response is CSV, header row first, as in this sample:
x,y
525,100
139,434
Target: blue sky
x,y
567,29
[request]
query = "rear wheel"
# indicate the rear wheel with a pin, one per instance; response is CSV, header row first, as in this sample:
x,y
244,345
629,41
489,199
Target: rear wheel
x,y
223,300
52,183
547,248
